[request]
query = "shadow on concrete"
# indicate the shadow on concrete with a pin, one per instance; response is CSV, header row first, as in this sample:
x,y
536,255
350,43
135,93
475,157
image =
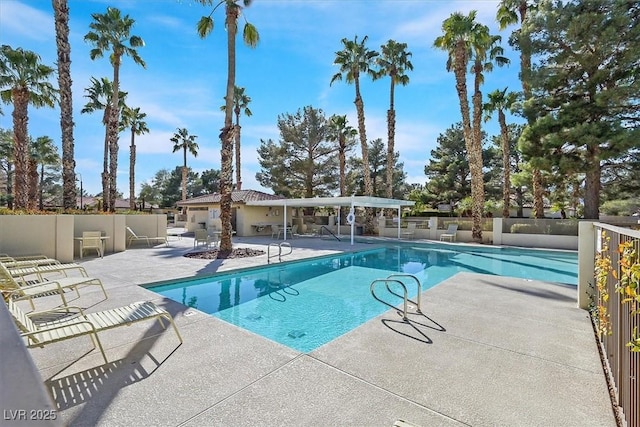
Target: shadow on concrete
x,y
537,292
96,387
413,329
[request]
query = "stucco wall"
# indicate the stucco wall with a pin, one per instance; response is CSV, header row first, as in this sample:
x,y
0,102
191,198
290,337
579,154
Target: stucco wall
x,y
53,235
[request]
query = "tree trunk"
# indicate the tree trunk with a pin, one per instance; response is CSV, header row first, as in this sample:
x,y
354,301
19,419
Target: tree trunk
x,y
20,147
61,12
113,164
368,185
538,193
520,202
114,119
184,182
41,188
475,161
237,147
506,165
33,185
343,164
227,134
184,172
592,184
391,133
132,170
391,124
105,162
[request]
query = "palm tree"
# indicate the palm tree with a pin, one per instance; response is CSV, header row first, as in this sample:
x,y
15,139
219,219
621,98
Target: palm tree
x,y
23,81
61,15
393,62
251,38
185,142
43,153
511,12
485,51
344,135
111,33
100,94
133,119
354,59
500,100
459,34
240,104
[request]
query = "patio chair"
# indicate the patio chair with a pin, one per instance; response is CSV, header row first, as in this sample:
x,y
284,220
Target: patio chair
x,y
135,237
38,335
450,234
9,285
276,231
201,236
410,231
91,240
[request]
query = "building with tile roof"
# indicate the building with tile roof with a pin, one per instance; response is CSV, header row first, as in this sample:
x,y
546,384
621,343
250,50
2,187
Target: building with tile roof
x,y
204,212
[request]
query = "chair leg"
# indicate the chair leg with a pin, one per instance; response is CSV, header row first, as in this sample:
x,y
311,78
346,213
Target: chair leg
x,y
96,340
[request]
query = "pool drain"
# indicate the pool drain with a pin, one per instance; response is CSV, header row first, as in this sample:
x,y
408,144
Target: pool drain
x,y
297,333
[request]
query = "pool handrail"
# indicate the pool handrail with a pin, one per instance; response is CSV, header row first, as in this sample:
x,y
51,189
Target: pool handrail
x,y
279,255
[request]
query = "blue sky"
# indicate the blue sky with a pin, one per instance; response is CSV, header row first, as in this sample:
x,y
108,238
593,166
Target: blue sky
x,y
184,82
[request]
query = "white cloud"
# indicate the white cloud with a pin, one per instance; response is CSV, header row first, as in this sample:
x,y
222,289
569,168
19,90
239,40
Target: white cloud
x,y
26,22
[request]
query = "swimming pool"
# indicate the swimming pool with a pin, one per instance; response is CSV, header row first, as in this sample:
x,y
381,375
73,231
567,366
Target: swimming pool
x,y
305,304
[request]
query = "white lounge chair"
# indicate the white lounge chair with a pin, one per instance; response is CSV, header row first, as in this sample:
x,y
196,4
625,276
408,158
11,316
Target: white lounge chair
x,y
135,237
9,285
450,234
38,335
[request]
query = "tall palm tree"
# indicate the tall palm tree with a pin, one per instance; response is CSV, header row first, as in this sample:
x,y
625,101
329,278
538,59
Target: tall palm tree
x,y
23,81
185,142
111,33
240,104
251,37
133,119
100,94
353,60
344,135
485,51
512,12
43,153
61,16
500,100
459,34
393,62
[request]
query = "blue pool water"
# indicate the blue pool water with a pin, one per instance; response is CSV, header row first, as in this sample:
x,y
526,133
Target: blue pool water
x,y
308,303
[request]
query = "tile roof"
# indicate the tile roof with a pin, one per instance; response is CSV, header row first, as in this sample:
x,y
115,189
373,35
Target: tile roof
x,y
241,196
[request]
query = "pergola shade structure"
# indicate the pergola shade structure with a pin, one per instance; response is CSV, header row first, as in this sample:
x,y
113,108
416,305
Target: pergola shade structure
x,y
351,201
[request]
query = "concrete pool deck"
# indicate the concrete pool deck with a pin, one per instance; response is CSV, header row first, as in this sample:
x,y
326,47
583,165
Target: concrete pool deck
x,y
489,351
